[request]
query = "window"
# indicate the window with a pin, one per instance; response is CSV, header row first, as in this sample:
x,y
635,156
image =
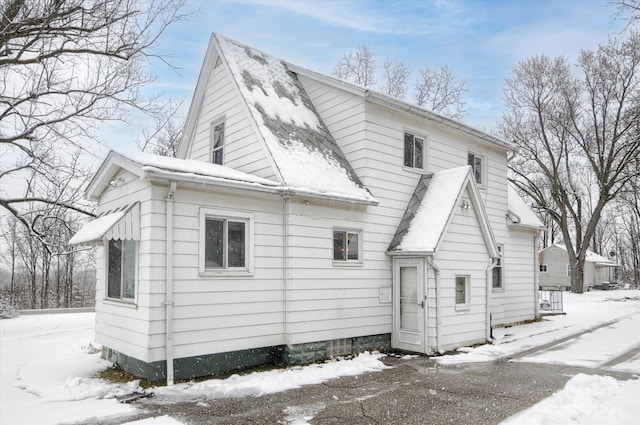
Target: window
x,y
476,165
217,143
568,270
497,271
462,291
121,269
544,268
413,151
225,242
346,245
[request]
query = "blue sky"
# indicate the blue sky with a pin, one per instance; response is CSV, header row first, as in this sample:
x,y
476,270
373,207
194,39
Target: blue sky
x,y
480,40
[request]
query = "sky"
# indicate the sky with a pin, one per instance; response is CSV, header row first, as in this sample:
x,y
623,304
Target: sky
x,y
480,40
62,387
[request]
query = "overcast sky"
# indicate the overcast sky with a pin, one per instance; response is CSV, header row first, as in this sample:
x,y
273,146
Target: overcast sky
x,y
480,40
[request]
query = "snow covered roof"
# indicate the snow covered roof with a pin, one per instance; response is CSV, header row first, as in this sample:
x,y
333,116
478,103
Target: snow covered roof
x,y
590,257
430,210
519,212
150,165
304,152
189,167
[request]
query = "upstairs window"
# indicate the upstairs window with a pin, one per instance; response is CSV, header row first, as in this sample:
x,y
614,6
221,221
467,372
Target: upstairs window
x,y
217,143
413,151
497,271
477,167
121,269
346,245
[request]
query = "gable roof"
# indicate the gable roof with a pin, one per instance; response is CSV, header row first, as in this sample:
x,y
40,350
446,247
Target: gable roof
x,y
146,165
431,210
590,257
387,101
305,156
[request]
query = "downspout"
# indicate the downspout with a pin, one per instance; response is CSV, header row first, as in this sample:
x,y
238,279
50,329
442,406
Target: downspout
x,y
436,274
536,274
286,211
169,283
487,320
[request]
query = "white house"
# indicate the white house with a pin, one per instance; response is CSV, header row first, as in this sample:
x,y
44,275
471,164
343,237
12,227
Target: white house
x,y
306,217
555,270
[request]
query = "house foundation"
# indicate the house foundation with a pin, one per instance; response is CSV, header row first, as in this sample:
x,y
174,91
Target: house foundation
x,y
224,363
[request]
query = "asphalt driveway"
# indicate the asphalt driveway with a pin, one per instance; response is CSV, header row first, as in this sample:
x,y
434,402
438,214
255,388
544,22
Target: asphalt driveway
x,y
415,391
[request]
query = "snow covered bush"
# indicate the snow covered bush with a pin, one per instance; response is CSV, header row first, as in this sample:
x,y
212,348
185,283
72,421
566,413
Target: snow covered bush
x,y
7,311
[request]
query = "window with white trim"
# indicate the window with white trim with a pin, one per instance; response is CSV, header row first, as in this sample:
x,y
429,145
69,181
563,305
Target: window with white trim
x,y
568,270
544,268
462,291
476,162
347,246
225,241
121,269
217,143
414,149
497,274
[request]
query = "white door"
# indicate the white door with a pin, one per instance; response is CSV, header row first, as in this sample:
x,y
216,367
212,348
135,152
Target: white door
x,y
409,305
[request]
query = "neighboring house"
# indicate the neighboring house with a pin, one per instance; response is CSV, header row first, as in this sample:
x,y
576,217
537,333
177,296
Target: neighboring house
x,y
555,269
307,218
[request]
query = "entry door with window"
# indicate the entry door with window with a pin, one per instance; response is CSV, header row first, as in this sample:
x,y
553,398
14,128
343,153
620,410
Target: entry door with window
x,y
409,305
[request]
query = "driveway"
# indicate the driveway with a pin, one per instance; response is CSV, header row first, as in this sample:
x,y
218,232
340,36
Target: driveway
x,y
419,391
415,391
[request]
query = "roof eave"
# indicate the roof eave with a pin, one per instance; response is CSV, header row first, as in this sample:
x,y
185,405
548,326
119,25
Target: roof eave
x,y
162,175
388,101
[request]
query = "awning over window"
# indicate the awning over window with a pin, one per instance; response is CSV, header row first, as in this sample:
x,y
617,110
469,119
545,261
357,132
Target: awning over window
x,y
123,224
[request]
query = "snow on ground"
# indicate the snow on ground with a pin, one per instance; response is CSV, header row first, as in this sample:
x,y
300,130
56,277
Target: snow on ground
x,y
48,366
583,312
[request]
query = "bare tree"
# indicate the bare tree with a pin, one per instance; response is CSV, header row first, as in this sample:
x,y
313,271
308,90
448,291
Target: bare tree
x,y
65,67
628,10
164,138
567,126
441,91
395,75
357,67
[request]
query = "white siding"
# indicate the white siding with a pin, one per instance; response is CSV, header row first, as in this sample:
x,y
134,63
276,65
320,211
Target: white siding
x,y
461,326
124,326
327,300
243,150
372,139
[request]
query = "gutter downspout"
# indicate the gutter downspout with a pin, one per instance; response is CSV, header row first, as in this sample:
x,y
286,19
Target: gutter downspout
x,y
169,283
488,331
536,274
286,212
436,274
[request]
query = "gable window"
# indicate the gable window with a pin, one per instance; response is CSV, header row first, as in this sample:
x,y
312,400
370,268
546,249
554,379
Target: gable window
x,y
544,268
217,143
346,246
121,269
413,151
476,163
462,291
225,242
497,271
